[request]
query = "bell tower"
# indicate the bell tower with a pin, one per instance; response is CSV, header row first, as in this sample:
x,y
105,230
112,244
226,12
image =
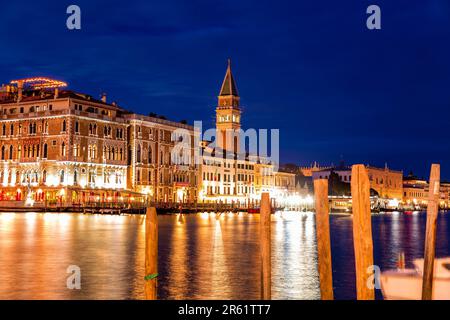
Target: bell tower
x,y
228,114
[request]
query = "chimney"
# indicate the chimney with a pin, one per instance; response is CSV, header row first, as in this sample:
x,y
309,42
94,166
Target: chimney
x,y
56,92
20,90
104,97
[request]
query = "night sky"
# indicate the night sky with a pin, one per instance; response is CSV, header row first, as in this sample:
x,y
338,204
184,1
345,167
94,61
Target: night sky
x,y
335,89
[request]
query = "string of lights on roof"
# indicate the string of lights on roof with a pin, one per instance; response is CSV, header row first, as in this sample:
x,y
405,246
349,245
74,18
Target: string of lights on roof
x,y
40,83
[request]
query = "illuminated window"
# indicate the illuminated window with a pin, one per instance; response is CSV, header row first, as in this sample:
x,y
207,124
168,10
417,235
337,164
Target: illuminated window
x,y
138,153
63,149
61,176
76,150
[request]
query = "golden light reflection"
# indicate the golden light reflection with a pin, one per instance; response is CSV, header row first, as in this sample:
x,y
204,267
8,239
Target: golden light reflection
x,y
219,266
204,215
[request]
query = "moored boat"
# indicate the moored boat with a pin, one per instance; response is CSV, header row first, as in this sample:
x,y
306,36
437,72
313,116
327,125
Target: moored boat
x,y
406,284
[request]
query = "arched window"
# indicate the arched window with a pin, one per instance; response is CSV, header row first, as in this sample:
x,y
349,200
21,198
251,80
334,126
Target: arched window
x,y
44,153
61,176
77,127
150,156
138,153
64,126
63,149
10,152
44,176
113,157
75,177
3,152
11,129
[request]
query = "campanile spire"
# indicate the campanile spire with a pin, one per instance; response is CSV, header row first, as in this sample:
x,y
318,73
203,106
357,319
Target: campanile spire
x,y
228,113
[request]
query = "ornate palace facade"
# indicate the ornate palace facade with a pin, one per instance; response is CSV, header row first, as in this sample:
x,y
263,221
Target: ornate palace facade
x,y
59,145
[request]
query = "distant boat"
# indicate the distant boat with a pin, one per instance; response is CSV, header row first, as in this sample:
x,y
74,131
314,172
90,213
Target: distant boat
x,y
253,210
406,284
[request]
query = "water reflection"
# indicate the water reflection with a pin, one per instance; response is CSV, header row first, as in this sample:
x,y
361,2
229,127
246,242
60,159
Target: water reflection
x,y
203,256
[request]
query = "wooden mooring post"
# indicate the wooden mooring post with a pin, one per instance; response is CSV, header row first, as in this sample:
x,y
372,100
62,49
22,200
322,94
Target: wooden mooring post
x,y
264,230
323,238
151,254
430,237
362,232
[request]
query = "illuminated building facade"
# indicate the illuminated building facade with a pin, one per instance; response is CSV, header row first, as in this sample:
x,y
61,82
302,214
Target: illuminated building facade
x,y
386,182
416,193
151,167
59,146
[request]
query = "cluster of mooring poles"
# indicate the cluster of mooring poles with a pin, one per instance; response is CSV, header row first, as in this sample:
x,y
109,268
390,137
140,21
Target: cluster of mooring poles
x,y
362,239
362,235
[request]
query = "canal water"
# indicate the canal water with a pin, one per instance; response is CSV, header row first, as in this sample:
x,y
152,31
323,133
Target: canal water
x,y
200,256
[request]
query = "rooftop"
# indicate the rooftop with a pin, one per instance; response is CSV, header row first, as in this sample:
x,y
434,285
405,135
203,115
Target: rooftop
x,y
229,87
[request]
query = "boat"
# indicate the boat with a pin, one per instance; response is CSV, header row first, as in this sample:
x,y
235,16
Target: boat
x,y
253,210
406,284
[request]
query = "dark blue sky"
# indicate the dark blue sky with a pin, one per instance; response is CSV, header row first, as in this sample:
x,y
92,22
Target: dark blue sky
x,y
309,68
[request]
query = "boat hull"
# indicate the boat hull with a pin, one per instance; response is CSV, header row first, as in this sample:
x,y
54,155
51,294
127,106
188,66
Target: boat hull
x,y
408,286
